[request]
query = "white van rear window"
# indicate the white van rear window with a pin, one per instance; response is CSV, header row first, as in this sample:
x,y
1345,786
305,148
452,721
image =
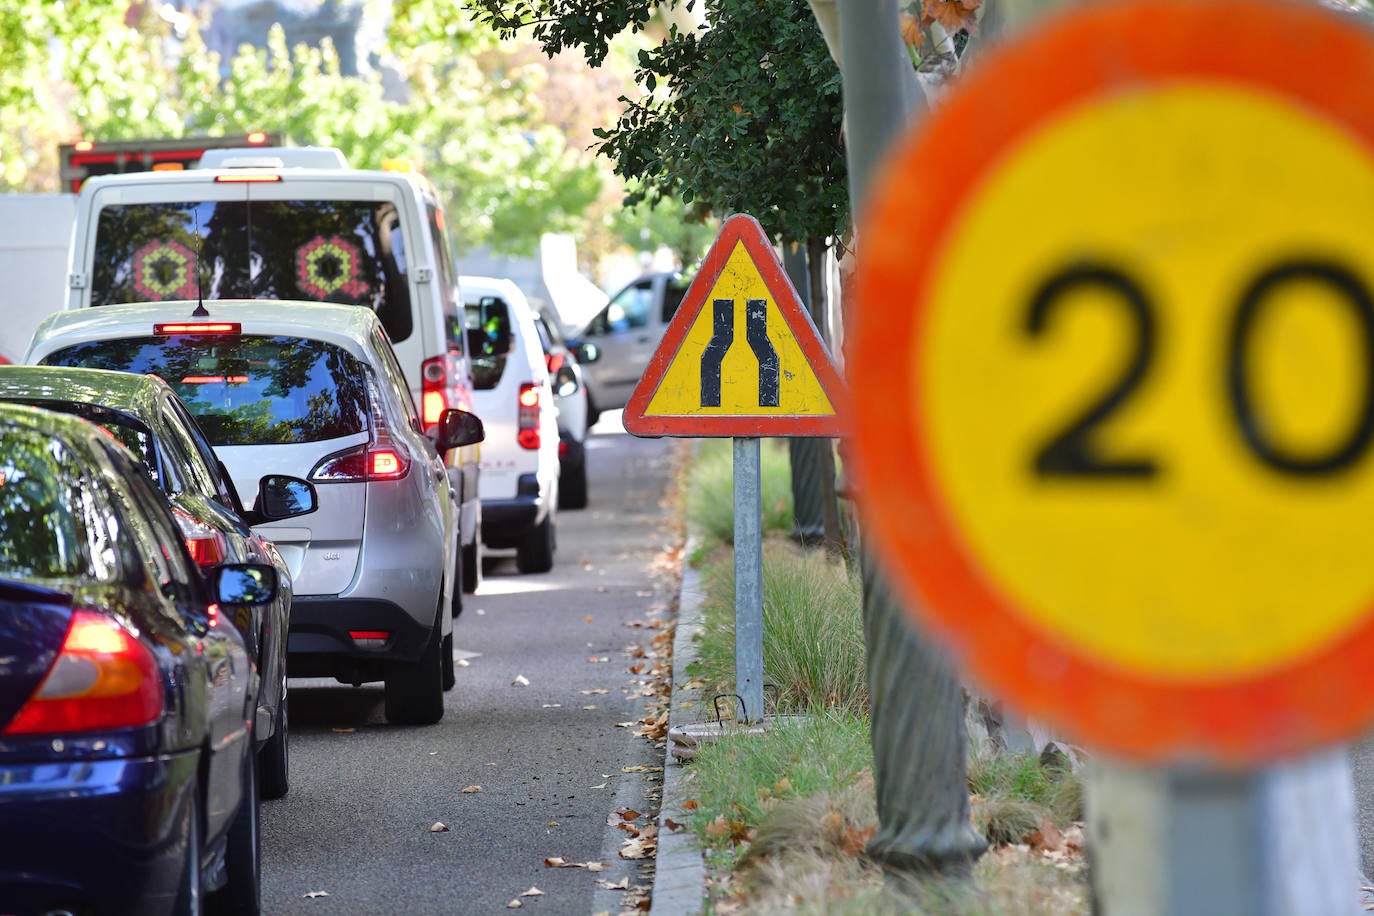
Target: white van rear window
x,y
319,250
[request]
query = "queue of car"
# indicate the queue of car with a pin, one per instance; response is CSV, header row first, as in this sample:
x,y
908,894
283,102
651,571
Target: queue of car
x,y
279,326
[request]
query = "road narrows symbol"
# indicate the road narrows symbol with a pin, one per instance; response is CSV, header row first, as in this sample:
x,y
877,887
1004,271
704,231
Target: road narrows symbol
x,y
756,332
723,335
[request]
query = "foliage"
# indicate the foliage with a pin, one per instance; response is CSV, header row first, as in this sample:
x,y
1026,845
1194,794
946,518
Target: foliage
x,y
743,117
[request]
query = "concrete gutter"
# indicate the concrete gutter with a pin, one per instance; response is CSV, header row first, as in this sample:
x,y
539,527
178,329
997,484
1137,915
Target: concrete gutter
x,y
679,870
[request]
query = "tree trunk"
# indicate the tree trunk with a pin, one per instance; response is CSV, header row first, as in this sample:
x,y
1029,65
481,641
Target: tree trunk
x,y
918,734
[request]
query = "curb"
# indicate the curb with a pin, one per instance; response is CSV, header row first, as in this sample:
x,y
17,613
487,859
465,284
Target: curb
x,y
679,869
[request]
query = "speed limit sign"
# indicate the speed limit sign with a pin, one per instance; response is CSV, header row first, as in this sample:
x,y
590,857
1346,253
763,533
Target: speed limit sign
x,y
1113,375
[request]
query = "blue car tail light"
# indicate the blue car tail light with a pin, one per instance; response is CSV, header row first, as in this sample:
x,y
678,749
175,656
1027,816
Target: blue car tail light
x,y
103,678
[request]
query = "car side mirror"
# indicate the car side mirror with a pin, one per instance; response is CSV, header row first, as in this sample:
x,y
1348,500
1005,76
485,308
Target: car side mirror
x,y
243,583
281,497
458,428
565,381
586,352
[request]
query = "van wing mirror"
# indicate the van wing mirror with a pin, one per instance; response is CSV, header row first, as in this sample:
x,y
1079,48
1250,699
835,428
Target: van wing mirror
x,y
586,352
565,383
458,428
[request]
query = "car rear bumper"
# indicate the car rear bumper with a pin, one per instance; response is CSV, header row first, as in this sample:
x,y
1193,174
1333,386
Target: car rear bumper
x,y
323,643
94,836
506,521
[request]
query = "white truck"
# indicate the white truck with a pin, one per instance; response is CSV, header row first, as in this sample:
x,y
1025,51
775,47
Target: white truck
x,y
35,235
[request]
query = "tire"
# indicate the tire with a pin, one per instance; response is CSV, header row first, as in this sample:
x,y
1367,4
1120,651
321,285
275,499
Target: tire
x,y
446,658
572,485
535,553
274,758
415,692
189,893
459,573
472,565
242,893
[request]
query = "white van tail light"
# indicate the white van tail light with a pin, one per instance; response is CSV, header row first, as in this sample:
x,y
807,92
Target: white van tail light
x,y
433,381
103,678
528,435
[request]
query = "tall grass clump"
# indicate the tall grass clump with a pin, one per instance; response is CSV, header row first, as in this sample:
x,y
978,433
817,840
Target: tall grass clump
x,y
711,491
813,646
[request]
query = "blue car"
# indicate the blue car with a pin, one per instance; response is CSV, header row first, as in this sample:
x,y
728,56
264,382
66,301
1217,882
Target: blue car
x,y
127,777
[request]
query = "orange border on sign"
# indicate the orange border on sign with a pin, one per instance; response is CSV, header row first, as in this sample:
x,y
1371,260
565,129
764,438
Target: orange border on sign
x,y
740,228
1305,54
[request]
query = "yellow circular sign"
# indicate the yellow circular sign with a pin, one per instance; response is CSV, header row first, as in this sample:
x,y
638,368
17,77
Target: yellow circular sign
x,y
1172,546
1113,375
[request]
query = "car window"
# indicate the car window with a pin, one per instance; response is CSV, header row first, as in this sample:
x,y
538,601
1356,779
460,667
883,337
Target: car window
x,y
244,390
631,307
447,280
492,317
198,474
161,547
391,369
222,487
321,250
673,291
127,430
50,524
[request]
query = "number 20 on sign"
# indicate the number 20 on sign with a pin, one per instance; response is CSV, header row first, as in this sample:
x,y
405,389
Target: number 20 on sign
x,y
1124,459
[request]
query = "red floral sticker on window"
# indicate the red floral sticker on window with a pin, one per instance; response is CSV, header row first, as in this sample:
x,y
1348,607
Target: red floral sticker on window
x,y
164,270
325,266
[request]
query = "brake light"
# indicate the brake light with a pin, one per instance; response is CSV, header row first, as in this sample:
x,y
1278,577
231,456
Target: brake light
x,y
246,177
207,546
378,462
433,379
103,678
168,329
257,137
528,432
555,361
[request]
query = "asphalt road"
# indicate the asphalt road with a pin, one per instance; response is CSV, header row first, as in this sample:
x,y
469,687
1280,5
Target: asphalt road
x,y
354,833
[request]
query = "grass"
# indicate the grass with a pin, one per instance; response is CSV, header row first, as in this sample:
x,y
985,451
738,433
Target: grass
x,y
710,491
784,817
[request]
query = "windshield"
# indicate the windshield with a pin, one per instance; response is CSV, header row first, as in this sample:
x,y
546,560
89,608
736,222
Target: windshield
x,y
246,390
342,251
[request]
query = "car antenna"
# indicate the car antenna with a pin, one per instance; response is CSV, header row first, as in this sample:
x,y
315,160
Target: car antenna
x,y
201,311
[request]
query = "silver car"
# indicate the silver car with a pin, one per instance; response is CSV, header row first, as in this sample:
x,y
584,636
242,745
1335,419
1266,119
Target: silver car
x,y
315,391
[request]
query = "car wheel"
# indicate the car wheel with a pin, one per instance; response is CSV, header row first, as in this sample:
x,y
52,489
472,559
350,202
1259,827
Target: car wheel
x,y
415,692
242,894
472,565
446,656
189,897
572,485
535,553
273,759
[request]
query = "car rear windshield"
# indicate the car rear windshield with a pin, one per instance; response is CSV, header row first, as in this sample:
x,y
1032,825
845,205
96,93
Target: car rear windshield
x,y
320,250
492,318
42,532
244,390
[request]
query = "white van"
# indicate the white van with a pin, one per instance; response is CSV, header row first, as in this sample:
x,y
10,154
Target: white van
x,y
277,223
513,396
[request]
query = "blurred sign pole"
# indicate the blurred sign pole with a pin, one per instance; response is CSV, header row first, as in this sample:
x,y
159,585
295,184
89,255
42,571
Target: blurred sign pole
x,y
749,578
740,359
1213,661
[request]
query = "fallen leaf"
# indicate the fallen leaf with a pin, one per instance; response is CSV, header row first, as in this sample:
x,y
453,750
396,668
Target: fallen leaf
x,y
551,706
598,659
480,612
628,814
691,804
622,885
602,786
533,892
587,619
556,862
671,824
595,866
596,692
589,707
639,768
468,790
462,663
311,895
520,681
439,827
515,904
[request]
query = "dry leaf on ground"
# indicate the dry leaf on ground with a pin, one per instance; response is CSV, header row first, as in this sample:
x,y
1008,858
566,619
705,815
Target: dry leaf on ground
x,y
439,827
533,892
520,681
468,790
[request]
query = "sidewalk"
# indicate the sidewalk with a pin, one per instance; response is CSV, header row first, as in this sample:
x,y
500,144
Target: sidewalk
x,y
679,872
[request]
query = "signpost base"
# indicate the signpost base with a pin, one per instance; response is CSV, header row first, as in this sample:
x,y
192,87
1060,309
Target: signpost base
x,y
1263,842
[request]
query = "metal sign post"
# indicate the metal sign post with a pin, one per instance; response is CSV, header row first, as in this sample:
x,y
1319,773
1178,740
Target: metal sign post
x,y
749,578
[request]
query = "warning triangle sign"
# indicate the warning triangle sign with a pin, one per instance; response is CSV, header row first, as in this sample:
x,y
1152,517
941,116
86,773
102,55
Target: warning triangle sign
x,y
741,357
